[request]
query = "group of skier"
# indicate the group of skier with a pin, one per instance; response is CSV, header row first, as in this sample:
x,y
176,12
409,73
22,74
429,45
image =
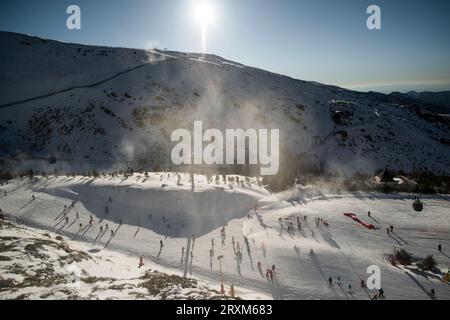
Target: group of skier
x,y
270,273
379,295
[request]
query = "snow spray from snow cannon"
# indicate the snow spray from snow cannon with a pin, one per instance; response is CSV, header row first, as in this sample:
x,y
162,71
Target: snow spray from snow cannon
x,y
235,139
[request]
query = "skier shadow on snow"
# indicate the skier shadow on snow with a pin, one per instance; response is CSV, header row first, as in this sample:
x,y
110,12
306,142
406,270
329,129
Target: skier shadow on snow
x,y
316,263
426,275
137,231
297,252
26,205
420,286
395,239
398,236
374,219
326,235
261,221
444,254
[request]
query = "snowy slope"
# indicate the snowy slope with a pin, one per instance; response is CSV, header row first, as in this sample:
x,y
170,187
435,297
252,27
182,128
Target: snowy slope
x,y
113,107
42,265
304,259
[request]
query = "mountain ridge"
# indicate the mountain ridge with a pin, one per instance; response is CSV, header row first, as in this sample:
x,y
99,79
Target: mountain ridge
x,y
104,107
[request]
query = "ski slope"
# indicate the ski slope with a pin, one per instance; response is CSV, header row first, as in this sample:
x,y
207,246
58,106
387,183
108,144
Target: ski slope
x,y
101,107
145,210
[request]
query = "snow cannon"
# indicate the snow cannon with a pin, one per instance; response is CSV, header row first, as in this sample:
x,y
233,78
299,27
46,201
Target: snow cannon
x,y
417,205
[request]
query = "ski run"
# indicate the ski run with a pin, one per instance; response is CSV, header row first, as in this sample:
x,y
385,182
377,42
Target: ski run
x,y
151,236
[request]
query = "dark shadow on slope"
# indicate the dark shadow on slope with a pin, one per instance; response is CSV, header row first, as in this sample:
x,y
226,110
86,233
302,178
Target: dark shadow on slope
x,y
326,235
186,212
398,236
420,286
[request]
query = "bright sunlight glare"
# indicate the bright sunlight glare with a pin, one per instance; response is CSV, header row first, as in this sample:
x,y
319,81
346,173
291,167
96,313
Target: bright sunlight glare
x,y
204,14
204,11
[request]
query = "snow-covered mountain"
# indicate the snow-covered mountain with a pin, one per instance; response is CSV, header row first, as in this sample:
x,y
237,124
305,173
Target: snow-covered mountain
x,y
90,106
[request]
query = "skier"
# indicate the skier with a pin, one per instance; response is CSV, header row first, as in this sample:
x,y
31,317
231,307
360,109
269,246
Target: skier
x,y
349,288
330,282
381,293
304,218
439,247
161,244
106,210
110,200
4,193
363,284
81,226
67,220
78,215
101,229
432,293
299,226
107,227
387,230
149,216
273,268
32,196
368,213
112,232
391,227
141,262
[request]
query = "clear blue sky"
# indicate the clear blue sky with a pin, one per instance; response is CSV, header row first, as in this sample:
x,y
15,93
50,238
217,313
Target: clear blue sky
x,y
321,40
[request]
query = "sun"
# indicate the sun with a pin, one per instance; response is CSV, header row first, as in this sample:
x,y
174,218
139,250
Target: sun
x,y
204,12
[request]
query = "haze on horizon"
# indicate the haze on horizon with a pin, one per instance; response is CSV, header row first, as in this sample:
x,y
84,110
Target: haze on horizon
x,y
319,40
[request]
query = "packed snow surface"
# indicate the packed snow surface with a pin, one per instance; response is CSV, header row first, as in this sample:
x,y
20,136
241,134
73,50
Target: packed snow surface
x,y
217,222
